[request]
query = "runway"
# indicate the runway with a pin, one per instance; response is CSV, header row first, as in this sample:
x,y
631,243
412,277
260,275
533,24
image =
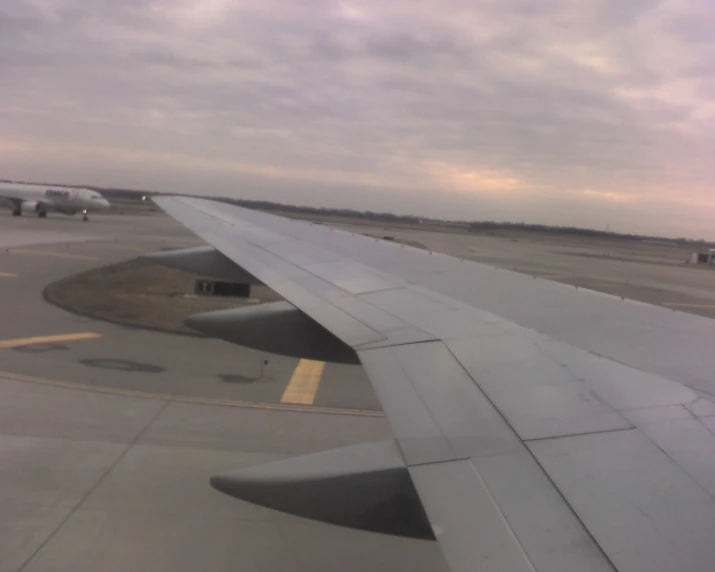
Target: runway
x,y
108,434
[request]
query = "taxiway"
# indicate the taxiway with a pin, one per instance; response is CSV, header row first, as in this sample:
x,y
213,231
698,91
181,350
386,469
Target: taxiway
x,y
109,434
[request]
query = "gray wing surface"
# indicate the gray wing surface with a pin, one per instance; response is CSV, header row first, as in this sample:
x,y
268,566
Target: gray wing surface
x,y
533,442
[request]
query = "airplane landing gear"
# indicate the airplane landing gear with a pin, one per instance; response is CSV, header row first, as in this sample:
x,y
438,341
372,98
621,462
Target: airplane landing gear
x,y
16,212
42,213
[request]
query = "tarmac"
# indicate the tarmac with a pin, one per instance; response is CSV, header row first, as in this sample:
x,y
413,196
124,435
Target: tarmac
x,y
109,434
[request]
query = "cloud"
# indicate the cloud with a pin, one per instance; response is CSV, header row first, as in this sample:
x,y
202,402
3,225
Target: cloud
x,y
493,101
607,196
457,177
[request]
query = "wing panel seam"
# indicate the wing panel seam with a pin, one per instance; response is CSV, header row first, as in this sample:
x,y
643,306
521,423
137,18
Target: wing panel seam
x,y
387,344
543,469
600,432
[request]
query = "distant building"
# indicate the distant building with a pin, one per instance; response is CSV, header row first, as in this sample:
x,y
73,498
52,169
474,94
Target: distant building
x,y
703,257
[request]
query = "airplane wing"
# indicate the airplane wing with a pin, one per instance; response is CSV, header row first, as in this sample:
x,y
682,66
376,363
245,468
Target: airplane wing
x,y
533,439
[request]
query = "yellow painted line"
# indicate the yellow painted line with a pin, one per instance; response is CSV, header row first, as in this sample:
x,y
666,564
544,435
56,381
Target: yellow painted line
x,y
17,342
185,398
57,254
679,305
8,275
304,383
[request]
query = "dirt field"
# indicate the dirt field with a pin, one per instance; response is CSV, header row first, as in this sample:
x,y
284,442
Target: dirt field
x,y
142,294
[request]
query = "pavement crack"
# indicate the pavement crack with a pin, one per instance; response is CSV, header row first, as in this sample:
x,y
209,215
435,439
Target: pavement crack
x,y
94,487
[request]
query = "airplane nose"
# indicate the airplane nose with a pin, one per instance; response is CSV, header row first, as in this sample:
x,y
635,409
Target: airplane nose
x,y
106,204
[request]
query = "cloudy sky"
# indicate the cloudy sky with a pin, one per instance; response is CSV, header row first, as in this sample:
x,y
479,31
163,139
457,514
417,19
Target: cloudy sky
x,y
597,113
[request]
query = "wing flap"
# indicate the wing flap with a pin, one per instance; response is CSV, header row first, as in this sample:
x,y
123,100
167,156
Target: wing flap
x,y
418,435
641,507
466,521
441,387
546,527
478,531
684,437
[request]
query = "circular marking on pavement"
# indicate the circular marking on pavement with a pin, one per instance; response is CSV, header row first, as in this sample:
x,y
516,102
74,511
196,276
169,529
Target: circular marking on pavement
x,y
123,365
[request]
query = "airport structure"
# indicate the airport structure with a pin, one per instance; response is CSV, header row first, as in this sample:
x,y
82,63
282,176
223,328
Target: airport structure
x,y
703,257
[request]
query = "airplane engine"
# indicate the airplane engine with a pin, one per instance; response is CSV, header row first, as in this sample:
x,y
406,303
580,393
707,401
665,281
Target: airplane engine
x,y
36,207
30,206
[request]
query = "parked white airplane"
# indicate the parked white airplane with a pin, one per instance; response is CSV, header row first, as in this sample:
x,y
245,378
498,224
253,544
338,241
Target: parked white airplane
x,y
40,199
